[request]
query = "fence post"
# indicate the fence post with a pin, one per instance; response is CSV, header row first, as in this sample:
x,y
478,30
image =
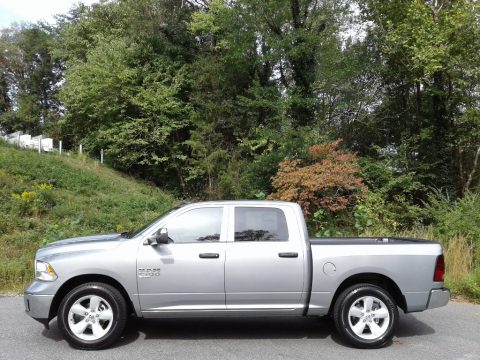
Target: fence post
x,y
18,140
39,145
80,149
101,156
60,147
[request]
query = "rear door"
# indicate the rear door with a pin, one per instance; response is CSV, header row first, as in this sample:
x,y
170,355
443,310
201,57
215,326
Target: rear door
x,y
264,266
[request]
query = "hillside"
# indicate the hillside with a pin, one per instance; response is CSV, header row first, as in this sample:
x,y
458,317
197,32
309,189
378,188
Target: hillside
x,y
48,197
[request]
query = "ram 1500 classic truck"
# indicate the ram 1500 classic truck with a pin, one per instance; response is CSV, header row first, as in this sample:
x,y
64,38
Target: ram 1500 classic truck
x,y
234,258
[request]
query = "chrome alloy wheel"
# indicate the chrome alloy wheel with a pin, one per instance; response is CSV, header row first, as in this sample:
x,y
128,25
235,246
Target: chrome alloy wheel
x,y
90,317
368,317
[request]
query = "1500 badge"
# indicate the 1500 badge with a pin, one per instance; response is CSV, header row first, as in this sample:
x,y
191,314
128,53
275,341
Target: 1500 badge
x,y
148,273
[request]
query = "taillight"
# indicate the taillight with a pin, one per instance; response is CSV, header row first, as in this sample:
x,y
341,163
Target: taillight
x,y
439,273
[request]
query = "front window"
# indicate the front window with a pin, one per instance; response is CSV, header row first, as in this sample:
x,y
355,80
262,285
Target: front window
x,y
197,225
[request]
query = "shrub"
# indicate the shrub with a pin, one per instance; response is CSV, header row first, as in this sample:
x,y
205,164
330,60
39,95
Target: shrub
x,y
457,218
35,202
456,224
395,193
327,180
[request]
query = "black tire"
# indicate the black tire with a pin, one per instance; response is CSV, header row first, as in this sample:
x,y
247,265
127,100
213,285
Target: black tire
x,y
353,295
118,306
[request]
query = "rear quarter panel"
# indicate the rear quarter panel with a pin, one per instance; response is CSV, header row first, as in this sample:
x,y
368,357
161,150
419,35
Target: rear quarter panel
x,y
410,266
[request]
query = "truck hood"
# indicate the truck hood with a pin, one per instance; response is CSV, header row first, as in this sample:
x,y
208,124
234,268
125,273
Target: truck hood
x,y
78,244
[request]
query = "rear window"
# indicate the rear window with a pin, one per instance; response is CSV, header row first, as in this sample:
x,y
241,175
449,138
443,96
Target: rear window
x,y
260,224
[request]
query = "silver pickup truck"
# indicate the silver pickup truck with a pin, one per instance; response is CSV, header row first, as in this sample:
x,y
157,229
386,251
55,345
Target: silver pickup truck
x,y
233,258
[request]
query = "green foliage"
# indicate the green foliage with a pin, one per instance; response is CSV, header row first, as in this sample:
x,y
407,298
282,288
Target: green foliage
x,y
428,53
258,158
395,192
99,90
324,225
203,96
467,287
362,218
261,195
127,85
457,217
50,197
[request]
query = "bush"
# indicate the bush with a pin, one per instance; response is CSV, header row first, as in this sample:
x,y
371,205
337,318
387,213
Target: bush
x,y
459,217
326,184
394,200
35,202
327,180
456,224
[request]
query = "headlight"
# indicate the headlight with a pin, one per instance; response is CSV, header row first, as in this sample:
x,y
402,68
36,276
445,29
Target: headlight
x,y
44,271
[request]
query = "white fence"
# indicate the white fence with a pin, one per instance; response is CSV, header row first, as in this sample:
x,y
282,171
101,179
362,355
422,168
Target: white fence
x,y
26,141
41,143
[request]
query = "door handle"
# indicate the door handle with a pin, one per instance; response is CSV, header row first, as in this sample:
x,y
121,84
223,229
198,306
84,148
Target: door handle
x,y
209,256
288,254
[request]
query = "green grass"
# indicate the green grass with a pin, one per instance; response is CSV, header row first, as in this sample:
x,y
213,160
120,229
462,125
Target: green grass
x,y
48,197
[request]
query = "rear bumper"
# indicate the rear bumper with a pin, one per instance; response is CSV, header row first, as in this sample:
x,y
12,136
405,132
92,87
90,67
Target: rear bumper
x,y
38,306
438,298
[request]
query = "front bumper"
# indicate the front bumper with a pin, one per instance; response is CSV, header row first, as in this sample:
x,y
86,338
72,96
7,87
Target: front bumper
x,y
38,306
438,298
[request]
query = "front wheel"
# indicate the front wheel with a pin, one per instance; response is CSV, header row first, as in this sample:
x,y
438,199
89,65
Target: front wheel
x,y
366,316
92,316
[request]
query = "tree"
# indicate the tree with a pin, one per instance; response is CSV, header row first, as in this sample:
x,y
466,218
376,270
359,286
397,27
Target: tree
x,y
127,85
30,77
5,103
430,56
257,82
285,42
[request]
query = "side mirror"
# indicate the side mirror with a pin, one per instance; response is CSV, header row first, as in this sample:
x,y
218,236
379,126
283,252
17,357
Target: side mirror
x,y
160,237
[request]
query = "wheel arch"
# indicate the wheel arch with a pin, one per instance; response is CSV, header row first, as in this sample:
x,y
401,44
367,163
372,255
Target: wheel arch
x,y
73,282
375,279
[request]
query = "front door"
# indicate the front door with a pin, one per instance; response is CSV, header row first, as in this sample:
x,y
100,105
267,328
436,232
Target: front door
x,y
187,274
264,270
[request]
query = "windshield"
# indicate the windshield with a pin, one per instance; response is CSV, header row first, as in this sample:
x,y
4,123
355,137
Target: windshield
x,y
144,228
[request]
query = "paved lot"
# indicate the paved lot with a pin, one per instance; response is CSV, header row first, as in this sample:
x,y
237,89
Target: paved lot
x,y
452,332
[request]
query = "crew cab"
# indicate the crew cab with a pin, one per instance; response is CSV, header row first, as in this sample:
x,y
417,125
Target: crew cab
x,y
233,258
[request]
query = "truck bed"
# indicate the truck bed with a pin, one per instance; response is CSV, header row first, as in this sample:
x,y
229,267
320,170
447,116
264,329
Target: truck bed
x,y
408,263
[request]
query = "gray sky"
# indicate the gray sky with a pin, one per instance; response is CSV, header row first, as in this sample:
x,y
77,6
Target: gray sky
x,y
34,10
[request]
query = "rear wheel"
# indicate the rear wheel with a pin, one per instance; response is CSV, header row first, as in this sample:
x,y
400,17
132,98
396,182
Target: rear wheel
x,y
92,316
366,316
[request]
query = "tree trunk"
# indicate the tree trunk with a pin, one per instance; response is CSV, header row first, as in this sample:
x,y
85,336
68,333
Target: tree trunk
x,y
468,184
